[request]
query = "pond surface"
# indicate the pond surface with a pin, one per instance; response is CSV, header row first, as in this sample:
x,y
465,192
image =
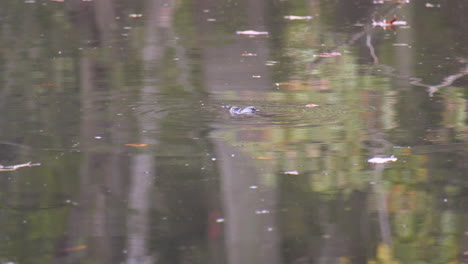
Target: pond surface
x,y
357,153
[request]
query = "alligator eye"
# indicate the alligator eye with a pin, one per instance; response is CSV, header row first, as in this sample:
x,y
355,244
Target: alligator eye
x,y
253,109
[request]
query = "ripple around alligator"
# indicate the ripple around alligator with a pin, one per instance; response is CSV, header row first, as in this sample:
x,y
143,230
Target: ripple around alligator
x,y
290,116
189,114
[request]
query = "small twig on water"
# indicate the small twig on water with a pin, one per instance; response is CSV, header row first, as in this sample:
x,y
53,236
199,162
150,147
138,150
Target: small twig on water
x,y
18,166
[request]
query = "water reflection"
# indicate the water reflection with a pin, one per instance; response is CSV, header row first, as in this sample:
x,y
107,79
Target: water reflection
x,y
121,104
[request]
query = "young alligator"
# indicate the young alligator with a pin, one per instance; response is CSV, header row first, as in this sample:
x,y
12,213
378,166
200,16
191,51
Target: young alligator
x,y
236,110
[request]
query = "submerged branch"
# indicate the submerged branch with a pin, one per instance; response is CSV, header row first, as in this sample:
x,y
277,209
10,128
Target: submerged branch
x,y
446,82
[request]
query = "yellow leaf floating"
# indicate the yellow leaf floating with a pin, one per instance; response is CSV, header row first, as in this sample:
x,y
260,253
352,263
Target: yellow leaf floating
x,y
136,145
264,158
77,248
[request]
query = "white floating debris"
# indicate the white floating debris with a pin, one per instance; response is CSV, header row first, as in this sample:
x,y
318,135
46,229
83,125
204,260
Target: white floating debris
x,y
251,32
383,160
18,166
256,76
253,186
220,220
98,137
135,15
400,44
264,211
249,54
384,23
211,19
429,5
298,17
292,172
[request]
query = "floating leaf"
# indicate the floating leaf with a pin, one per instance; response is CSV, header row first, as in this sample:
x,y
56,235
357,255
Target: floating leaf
x,y
383,159
389,24
292,172
251,32
264,158
136,145
429,5
298,17
46,84
249,54
77,248
329,54
283,83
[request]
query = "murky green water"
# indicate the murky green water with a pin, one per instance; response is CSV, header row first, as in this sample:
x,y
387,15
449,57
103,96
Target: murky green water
x,y
357,153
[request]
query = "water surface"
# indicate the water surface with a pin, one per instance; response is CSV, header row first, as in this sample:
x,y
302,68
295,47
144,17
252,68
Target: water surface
x,y
357,153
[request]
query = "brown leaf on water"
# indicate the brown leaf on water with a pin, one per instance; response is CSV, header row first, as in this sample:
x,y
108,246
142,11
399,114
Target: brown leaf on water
x,y
264,158
136,145
329,54
46,84
283,83
77,248
249,54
